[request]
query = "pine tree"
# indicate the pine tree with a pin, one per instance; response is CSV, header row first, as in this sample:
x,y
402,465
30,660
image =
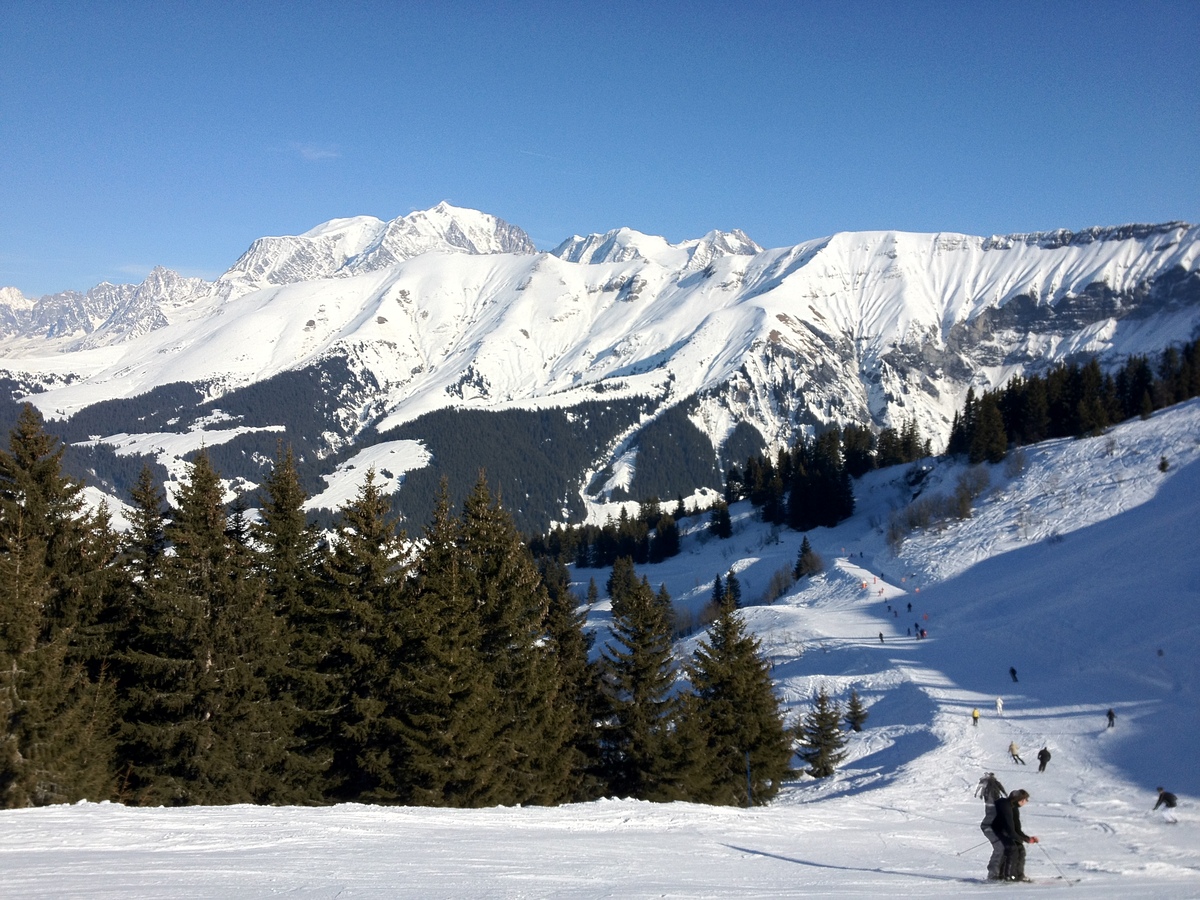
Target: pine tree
x,y
738,713
989,442
56,701
856,713
361,578
821,737
807,562
289,561
639,754
580,693
533,727
720,524
733,589
219,736
445,727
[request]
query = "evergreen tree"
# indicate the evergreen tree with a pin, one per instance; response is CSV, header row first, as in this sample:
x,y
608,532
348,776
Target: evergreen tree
x,y
856,713
533,727
989,442
738,713
821,737
807,562
446,727
289,561
204,725
56,701
733,590
641,759
581,696
360,580
720,524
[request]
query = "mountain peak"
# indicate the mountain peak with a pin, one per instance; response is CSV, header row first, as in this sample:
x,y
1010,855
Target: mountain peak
x,y
361,244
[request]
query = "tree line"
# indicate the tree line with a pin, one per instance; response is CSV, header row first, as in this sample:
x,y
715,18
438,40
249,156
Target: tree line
x,y
207,656
1072,400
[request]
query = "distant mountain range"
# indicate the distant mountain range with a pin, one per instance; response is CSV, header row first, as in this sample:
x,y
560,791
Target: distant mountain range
x,y
447,336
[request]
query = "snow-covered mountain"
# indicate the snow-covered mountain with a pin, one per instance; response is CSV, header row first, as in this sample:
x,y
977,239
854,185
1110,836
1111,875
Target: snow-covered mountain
x,y
453,308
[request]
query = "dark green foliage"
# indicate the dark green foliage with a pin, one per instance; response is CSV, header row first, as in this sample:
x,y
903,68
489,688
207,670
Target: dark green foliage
x,y
989,443
738,713
821,739
638,743
856,713
1072,400
362,578
446,728
301,676
807,561
720,523
673,456
533,457
56,701
200,722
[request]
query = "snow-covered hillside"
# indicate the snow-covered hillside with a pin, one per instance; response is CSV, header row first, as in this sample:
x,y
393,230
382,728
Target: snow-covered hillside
x,y
1077,569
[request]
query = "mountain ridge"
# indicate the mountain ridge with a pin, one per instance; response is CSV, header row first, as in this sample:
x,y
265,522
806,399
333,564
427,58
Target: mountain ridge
x,y
875,328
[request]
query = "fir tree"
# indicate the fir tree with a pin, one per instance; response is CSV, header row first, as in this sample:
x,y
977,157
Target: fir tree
x,y
360,581
807,562
533,726
639,753
445,727
720,524
289,561
821,737
856,713
56,701
738,713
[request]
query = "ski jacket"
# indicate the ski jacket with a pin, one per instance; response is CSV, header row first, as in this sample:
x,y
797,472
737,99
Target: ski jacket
x,y
1007,823
1043,755
1167,799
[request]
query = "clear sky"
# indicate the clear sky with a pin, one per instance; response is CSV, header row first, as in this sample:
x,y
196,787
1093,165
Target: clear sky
x,y
135,134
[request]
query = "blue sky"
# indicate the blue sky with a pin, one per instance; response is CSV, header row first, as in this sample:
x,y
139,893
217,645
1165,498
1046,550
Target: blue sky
x,y
166,133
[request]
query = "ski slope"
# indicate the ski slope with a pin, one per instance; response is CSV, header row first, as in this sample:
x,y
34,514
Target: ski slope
x,y
1079,570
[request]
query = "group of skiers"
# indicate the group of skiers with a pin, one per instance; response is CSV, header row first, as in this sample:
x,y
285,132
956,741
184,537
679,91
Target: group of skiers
x,y
1001,823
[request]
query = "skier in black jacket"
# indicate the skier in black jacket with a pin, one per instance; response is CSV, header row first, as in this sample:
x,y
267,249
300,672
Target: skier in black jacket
x,y
1043,758
990,789
1007,826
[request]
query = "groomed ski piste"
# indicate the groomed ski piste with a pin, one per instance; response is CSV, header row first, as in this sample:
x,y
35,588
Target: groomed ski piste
x,y
1080,569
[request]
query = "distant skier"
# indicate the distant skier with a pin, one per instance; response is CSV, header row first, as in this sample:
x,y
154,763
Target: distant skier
x,y
1015,752
1043,758
881,637
1167,801
1007,825
990,789
975,717
1013,672
1112,718
999,706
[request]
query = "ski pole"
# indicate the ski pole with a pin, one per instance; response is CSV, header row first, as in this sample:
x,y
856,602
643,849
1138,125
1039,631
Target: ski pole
x,y
969,849
1053,863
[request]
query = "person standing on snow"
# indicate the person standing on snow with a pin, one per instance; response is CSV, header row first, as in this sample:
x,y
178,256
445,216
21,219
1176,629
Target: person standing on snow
x,y
1112,718
1013,672
1007,825
1015,752
990,789
1043,758
999,706
975,717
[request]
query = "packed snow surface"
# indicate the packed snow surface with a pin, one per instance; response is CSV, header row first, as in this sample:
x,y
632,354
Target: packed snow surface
x,y
1078,569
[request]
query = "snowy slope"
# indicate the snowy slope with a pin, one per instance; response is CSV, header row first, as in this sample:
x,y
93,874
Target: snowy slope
x,y
1076,570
